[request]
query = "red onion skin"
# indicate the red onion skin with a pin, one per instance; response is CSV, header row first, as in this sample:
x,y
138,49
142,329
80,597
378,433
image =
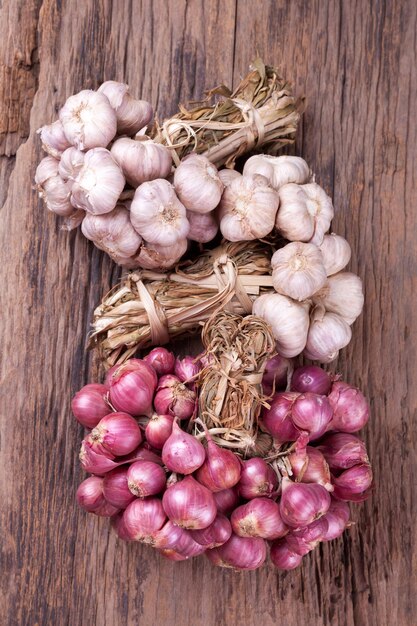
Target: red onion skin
x,y
145,478
283,557
311,378
226,500
90,494
89,406
119,527
214,535
310,466
312,413
132,387
187,546
109,375
350,408
343,450
337,518
162,360
143,518
301,504
142,453
172,397
354,483
182,453
257,479
221,468
260,517
277,420
158,429
187,369
115,489
275,374
94,462
245,553
304,540
168,536
172,555
189,504
117,434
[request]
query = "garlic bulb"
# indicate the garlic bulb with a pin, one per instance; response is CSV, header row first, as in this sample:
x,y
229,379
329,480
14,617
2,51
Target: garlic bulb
x,y
203,226
197,184
53,139
298,270
247,209
99,183
157,214
343,295
88,120
153,257
336,253
328,333
46,169
320,207
71,163
227,175
141,161
52,189
112,232
279,170
289,321
132,115
70,222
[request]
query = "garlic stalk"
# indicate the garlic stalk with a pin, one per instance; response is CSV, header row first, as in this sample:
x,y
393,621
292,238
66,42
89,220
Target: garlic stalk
x,y
342,294
141,161
99,183
197,184
328,333
132,115
298,270
88,120
278,170
336,253
113,233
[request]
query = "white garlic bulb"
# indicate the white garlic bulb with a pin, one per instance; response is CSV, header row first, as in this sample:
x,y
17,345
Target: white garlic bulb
x,y
46,169
247,209
88,120
197,184
320,207
154,257
336,253
52,189
157,214
226,175
132,115
289,321
53,139
141,161
99,183
71,163
328,333
279,170
203,226
342,294
298,270
70,222
113,233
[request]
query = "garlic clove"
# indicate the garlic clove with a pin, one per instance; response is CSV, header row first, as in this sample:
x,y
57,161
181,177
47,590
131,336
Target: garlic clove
x,y
88,120
336,253
328,333
71,163
203,226
298,270
132,115
154,257
279,170
157,214
289,321
99,183
226,175
197,184
248,208
320,207
141,161
53,139
342,294
293,220
112,232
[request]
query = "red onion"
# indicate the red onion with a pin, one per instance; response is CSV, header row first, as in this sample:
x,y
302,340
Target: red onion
x,y
303,540
143,518
142,453
311,378
94,462
260,517
189,504
145,478
117,433
337,518
354,483
275,374
90,497
214,535
186,545
162,360
119,526
182,453
283,557
309,466
239,553
174,398
257,479
158,429
277,420
226,500
115,488
221,469
132,386
301,503
343,450
172,555
312,413
168,536
89,406
350,408
186,369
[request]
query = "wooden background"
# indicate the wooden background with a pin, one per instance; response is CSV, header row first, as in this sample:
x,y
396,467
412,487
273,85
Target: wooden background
x,y
355,62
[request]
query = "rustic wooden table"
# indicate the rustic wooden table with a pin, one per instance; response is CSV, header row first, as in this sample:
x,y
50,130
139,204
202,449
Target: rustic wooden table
x,y
356,63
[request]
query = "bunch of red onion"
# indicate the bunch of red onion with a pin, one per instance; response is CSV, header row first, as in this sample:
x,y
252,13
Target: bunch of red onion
x,y
186,496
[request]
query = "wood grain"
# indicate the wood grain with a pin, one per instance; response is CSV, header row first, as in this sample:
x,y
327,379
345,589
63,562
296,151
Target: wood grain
x,y
355,62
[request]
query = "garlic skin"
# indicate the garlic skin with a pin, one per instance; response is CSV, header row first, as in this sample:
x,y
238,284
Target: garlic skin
x,y
161,257
112,232
53,139
157,214
342,294
71,163
197,184
141,161
289,321
70,222
52,189
278,170
247,209
99,183
203,226
88,120
132,115
46,169
336,253
298,271
320,207
328,333
227,175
